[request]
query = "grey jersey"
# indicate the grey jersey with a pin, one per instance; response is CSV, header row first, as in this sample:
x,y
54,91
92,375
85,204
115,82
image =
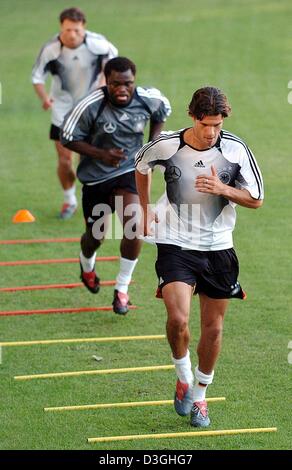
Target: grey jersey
x,y
97,121
75,72
188,218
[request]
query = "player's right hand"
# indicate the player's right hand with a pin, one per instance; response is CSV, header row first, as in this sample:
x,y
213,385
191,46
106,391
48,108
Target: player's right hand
x,y
113,157
149,216
47,103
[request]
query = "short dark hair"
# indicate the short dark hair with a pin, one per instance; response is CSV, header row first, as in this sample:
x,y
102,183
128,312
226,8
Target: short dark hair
x,y
73,14
119,64
209,101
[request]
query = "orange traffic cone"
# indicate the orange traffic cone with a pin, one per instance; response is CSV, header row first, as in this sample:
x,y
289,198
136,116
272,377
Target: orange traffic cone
x,y
23,216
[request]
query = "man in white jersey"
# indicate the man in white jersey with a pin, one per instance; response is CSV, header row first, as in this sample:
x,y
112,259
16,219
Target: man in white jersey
x,y
75,58
207,172
107,129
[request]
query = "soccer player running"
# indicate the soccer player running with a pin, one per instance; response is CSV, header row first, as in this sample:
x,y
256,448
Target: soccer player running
x,y
75,58
207,172
107,129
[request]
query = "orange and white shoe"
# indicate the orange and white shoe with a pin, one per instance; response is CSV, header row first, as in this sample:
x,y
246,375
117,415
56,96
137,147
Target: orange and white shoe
x,y
67,211
121,303
199,415
183,398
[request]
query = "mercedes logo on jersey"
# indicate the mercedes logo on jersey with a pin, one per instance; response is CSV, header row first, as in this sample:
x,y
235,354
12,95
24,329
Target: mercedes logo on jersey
x,y
109,127
172,174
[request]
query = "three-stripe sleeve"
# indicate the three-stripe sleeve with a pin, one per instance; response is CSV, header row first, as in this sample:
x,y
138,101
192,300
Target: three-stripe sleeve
x,y
250,174
77,123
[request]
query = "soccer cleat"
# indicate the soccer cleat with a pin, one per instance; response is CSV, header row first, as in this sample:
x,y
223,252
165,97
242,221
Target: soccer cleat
x,y
120,303
183,398
90,280
199,415
67,211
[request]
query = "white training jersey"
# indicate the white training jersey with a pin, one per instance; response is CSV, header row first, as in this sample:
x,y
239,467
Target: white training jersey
x,y
188,218
75,72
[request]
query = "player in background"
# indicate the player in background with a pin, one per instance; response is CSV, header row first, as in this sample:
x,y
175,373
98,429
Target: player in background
x,y
107,129
75,58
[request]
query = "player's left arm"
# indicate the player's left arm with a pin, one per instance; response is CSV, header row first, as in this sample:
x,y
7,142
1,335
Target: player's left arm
x,y
160,112
101,81
111,53
211,184
154,129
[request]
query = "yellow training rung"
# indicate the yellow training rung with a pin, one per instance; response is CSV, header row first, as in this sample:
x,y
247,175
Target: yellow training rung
x,y
224,432
92,372
81,340
120,405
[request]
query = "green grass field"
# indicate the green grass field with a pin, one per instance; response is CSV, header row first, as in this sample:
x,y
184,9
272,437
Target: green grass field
x,y
245,48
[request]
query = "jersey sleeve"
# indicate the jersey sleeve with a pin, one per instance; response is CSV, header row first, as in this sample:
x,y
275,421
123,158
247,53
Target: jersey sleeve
x,y
157,152
158,104
162,109
100,46
112,51
50,51
249,176
145,159
78,122
39,71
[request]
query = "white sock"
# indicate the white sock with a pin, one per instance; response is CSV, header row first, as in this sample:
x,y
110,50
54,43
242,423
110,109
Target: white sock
x,y
183,368
199,392
201,385
70,196
87,263
124,277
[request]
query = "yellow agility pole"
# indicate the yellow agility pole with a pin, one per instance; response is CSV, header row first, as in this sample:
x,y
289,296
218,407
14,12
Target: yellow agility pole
x,y
92,372
120,405
81,340
224,432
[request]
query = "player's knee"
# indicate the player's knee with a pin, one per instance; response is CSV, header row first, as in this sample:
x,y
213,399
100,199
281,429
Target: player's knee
x,y
65,161
178,322
89,243
132,245
214,332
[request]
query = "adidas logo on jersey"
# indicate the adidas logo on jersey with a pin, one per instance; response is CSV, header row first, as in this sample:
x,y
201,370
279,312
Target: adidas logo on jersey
x,y
75,57
124,117
199,164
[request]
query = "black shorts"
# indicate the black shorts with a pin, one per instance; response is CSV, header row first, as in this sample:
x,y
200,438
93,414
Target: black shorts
x,y
55,132
214,273
104,193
